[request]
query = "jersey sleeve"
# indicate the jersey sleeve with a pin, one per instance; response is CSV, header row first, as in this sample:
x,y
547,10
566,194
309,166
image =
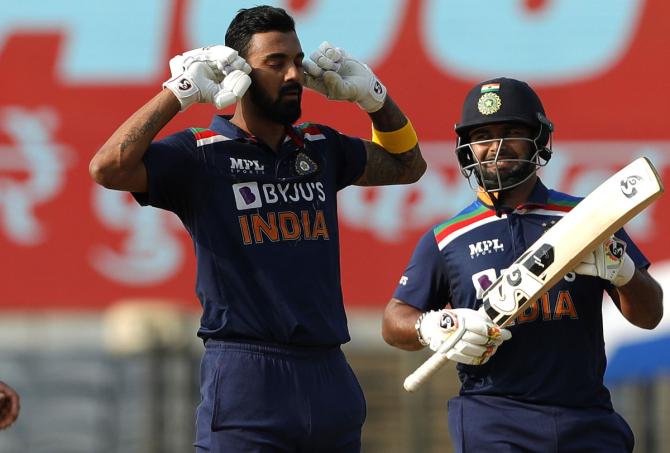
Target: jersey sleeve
x,y
424,284
349,155
171,165
641,261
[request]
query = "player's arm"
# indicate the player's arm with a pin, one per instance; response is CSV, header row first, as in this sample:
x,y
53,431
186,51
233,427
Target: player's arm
x,y
640,300
637,294
118,163
215,75
393,154
398,325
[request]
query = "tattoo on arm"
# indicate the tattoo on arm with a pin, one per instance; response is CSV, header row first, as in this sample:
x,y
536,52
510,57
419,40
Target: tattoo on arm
x,y
136,134
388,118
384,168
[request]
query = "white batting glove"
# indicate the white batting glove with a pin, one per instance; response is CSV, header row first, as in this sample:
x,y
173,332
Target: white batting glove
x,y
474,336
336,75
215,75
609,261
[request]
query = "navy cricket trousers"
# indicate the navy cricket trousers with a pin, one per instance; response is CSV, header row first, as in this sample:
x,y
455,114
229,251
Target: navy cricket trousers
x,y
502,425
266,398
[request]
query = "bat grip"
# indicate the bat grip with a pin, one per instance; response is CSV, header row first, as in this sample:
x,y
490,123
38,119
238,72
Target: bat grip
x,y
426,370
434,362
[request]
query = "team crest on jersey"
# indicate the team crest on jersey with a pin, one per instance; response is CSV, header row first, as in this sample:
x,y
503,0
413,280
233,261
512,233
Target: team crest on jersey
x,y
486,247
304,165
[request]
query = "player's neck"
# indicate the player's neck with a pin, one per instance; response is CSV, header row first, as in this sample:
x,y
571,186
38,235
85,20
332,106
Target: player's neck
x,y
513,197
269,132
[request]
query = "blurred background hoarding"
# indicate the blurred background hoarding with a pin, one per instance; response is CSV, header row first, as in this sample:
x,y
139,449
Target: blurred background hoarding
x,y
73,70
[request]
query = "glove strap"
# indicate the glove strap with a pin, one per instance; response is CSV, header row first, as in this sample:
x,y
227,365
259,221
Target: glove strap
x,y
184,89
417,327
398,141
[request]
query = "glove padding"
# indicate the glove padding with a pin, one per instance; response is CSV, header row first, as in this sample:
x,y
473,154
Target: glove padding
x,y
609,261
474,336
338,76
215,75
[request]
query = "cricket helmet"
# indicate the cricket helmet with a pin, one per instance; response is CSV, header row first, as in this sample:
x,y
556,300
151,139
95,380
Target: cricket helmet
x,y
503,100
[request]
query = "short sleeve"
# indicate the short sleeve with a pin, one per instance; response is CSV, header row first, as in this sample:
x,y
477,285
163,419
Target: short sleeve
x,y
424,284
349,155
171,165
641,261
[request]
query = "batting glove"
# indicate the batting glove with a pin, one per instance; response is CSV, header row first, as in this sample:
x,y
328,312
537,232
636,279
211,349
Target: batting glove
x,y
215,75
464,335
336,75
609,261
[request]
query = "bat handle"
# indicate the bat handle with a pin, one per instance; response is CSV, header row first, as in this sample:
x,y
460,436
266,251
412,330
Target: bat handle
x,y
434,362
426,370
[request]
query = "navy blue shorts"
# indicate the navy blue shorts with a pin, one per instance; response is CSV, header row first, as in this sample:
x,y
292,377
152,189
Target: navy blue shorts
x,y
497,424
267,398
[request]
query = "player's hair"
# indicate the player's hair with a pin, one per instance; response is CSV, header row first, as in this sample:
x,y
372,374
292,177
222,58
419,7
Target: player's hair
x,y
259,19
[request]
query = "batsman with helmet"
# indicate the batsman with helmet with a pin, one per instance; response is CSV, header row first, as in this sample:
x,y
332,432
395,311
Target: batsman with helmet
x,y
257,194
536,385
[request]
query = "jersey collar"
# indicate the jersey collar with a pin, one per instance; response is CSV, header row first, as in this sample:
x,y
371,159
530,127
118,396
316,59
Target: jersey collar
x,y
538,197
221,125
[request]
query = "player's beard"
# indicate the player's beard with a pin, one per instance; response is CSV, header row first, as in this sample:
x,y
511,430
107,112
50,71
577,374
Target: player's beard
x,y
280,110
506,174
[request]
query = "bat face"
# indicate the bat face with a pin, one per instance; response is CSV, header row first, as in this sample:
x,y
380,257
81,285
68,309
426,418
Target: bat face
x,y
589,224
515,289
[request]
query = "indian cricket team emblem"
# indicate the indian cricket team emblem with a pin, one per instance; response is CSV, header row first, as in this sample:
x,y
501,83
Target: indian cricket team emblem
x,y
489,103
304,165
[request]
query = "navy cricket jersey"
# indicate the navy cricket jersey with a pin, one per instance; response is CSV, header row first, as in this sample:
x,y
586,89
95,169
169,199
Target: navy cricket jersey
x,y
556,354
264,227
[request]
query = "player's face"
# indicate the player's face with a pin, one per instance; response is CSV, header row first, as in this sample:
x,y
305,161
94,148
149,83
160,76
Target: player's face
x,y
277,75
505,151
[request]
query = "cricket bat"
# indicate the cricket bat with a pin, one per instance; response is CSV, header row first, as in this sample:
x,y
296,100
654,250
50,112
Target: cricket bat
x,y
559,250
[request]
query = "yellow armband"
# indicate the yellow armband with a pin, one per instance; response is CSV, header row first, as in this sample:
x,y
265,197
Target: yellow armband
x,y
398,141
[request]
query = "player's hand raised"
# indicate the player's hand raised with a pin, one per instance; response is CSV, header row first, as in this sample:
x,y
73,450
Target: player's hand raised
x,y
609,261
215,75
473,336
336,75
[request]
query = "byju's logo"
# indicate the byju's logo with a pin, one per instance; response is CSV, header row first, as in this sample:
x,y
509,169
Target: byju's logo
x,y
482,280
247,195
485,247
246,166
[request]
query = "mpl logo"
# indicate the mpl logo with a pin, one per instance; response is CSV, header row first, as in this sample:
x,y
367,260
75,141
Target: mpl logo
x,y
486,247
247,195
246,166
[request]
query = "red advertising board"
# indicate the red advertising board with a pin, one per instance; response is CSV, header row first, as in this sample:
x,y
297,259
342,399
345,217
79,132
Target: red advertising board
x,y
67,243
